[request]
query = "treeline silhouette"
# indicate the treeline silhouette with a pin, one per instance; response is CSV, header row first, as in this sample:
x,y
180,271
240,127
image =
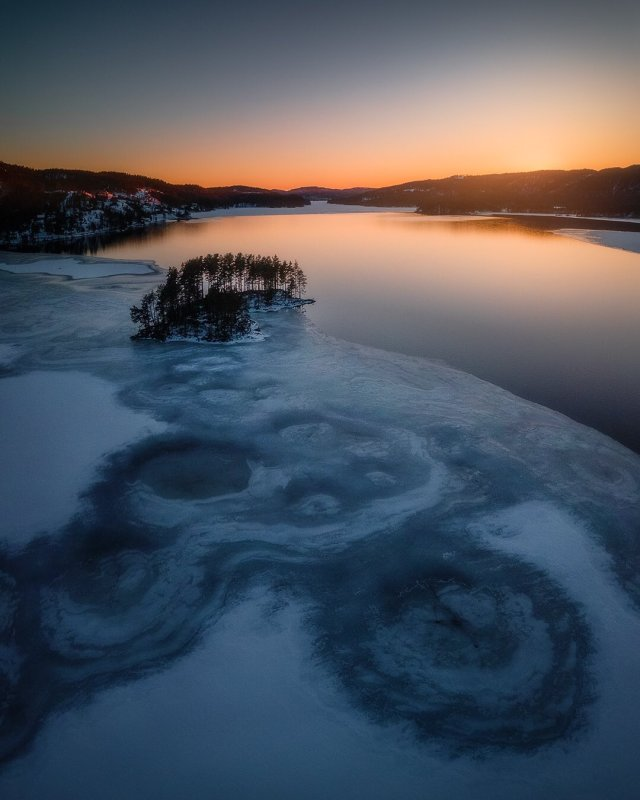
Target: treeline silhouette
x,y
42,201
209,297
608,192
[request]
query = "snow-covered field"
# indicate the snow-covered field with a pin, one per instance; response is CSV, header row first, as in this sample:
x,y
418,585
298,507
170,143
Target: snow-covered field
x,y
301,568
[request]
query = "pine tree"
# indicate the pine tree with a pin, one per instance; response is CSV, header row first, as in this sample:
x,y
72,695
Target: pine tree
x,y
208,296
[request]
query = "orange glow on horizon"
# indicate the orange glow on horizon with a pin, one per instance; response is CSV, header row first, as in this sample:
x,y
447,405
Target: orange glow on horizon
x,y
389,138
353,99
335,176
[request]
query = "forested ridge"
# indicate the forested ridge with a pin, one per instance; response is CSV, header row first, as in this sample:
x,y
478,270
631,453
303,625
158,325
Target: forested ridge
x,y
42,204
37,206
210,297
606,192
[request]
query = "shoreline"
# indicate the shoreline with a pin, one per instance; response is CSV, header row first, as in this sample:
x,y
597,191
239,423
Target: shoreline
x,y
532,220
550,221
73,267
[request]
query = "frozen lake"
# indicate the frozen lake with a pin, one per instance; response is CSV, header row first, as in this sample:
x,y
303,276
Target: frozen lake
x,y
307,567
550,318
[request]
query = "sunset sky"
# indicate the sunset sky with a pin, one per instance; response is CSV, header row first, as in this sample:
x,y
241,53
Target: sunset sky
x,y
279,93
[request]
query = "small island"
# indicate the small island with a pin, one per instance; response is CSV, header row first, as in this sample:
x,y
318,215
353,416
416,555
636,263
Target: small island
x,y
209,297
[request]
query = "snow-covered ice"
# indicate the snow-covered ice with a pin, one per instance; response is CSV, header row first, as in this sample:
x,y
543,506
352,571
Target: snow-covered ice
x,y
54,427
8,354
76,267
622,240
328,571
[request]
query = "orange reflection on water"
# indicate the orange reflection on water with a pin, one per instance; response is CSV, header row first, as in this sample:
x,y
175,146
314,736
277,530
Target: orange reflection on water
x,y
548,317
486,267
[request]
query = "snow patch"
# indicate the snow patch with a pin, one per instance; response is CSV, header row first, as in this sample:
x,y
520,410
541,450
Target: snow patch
x,y
72,267
54,429
620,240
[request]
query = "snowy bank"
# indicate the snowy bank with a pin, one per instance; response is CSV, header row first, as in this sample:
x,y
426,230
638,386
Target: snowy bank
x,y
74,267
254,334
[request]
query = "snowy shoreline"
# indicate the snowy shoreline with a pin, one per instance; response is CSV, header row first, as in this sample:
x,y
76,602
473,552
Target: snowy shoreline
x,y
72,267
619,240
549,215
255,334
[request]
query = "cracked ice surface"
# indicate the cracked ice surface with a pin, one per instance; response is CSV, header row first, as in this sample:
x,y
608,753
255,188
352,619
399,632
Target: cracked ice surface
x,y
327,570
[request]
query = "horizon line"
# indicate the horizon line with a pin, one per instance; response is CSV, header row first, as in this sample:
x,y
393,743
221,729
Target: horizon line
x,y
306,185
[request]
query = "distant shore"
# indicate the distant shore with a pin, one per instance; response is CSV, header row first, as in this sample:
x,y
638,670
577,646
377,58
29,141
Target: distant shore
x,y
550,222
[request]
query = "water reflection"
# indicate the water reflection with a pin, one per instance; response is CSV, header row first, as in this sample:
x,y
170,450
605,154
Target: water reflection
x,y
549,318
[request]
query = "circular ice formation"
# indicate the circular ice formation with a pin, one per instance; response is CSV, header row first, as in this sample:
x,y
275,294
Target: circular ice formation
x,y
179,469
492,654
471,641
105,612
338,464
125,604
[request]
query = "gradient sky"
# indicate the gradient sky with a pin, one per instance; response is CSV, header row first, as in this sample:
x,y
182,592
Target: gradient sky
x,y
279,93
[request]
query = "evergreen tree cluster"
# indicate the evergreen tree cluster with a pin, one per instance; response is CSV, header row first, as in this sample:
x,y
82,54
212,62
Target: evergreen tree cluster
x,y
209,297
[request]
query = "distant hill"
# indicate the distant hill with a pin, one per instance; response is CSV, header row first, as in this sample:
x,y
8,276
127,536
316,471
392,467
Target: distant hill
x,y
44,204
607,192
50,204
326,193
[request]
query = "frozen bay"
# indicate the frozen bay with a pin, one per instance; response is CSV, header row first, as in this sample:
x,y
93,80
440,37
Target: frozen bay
x,y
303,566
548,317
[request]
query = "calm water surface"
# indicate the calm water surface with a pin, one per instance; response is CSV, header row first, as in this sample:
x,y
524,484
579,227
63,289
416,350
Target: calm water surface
x,y
547,317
